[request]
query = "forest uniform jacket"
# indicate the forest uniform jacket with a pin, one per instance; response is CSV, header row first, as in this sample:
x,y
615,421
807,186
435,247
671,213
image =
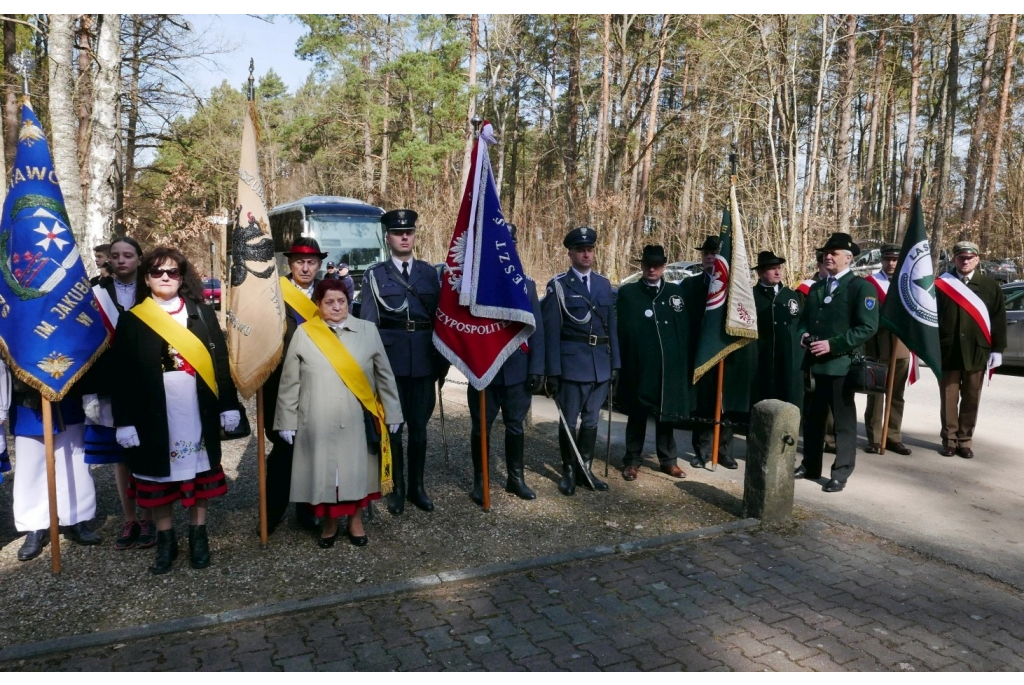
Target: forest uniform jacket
x,y
963,345
779,354
846,321
654,344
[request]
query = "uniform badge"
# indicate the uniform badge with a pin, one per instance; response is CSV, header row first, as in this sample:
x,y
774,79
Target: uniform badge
x,y
869,303
676,302
794,308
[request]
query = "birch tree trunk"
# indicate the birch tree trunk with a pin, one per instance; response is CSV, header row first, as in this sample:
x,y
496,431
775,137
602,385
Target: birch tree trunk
x,y
944,156
812,153
601,142
997,144
64,121
843,145
652,127
868,184
104,140
974,152
466,156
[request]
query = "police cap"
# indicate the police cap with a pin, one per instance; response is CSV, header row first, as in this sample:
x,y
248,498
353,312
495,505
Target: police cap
x,y
891,249
399,219
584,236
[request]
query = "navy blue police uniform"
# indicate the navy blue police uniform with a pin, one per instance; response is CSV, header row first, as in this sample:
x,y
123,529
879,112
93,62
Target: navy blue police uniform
x,y
511,391
581,345
402,302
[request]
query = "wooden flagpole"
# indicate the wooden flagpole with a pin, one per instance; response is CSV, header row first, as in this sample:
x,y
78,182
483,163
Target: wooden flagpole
x,y
51,486
483,449
261,466
718,415
889,382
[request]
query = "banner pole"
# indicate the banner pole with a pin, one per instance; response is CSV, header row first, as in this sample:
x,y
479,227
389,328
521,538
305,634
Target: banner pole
x,y
718,415
261,466
51,486
889,382
483,449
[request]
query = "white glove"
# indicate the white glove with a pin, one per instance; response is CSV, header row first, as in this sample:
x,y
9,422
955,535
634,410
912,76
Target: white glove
x,y
127,437
91,405
287,436
229,420
995,359
394,427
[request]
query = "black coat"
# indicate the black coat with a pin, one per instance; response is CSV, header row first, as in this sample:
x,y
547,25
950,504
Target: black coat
x,y
779,354
519,364
139,399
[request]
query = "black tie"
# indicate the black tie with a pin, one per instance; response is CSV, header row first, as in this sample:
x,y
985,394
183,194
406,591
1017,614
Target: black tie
x,y
405,270
830,285
585,284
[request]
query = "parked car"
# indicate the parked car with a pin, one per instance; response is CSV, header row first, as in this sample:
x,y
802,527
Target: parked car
x,y
1014,354
674,272
867,262
211,292
1003,271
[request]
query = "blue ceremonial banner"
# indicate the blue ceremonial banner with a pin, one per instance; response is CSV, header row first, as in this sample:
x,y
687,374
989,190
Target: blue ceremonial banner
x,y
484,312
50,327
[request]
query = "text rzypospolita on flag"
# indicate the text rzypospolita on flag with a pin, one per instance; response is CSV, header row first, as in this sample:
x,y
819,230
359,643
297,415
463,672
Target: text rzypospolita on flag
x,y
484,312
50,325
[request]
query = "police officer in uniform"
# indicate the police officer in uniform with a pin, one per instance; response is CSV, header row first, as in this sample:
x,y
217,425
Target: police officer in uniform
x,y
519,377
841,314
654,331
779,354
883,347
582,353
400,295
304,259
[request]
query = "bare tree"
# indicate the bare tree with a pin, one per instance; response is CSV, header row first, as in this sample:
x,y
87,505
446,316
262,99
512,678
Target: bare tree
x,y
980,112
997,144
843,144
64,123
104,140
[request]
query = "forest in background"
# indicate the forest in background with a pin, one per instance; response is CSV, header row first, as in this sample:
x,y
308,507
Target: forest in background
x,y
620,122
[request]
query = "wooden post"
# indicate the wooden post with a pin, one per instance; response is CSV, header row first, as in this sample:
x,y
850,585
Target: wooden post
x,y
261,466
718,415
889,382
51,486
483,449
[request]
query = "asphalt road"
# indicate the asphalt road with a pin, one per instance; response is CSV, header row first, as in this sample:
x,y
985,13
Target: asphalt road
x,y
967,512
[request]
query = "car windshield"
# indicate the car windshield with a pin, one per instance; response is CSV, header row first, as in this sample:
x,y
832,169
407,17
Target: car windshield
x,y
353,240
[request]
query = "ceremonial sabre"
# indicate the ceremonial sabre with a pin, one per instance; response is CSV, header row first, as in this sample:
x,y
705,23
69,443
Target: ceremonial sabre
x,y
572,442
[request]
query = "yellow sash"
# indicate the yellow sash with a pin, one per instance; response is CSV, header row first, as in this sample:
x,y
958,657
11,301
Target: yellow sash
x,y
298,301
356,381
180,338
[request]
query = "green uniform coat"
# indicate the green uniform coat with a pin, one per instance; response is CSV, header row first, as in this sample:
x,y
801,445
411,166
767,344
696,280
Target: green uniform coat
x,y
779,355
655,350
846,321
963,345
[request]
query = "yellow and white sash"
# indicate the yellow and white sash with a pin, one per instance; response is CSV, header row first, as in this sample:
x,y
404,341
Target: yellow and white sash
x,y
356,381
180,338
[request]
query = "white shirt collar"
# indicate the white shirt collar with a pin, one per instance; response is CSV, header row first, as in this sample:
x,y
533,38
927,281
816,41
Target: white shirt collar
x,y
963,276
880,276
398,263
307,291
338,326
769,285
653,285
580,274
841,274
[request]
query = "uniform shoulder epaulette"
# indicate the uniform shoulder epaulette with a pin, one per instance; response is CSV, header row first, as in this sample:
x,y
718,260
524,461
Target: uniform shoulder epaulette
x,y
374,265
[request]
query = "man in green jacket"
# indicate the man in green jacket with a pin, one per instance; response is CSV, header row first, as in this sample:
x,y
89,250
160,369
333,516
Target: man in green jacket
x,y
654,344
840,315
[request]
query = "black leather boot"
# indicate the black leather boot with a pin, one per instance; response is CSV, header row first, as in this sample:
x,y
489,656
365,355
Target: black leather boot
x,y
198,547
417,464
478,470
396,500
166,551
516,484
567,486
586,444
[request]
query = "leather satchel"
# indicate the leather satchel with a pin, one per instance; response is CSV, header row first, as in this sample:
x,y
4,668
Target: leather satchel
x,y
866,375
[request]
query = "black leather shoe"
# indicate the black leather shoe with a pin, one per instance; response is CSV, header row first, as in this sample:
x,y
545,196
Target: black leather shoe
x,y
897,447
35,540
728,462
965,452
357,540
947,452
873,448
834,486
327,543
800,472
697,463
198,547
82,535
166,551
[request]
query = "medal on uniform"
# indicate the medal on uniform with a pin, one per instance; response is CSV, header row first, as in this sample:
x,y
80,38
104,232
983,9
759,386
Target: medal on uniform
x,y
648,313
828,299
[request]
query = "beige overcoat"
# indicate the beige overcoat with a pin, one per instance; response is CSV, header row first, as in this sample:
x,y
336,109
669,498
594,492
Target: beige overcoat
x,y
330,439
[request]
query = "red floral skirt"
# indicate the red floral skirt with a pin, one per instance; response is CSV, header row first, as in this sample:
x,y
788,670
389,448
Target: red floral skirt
x,y
342,508
205,485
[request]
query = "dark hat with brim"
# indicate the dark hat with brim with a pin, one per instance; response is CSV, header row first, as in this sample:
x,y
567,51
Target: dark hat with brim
x,y
712,243
584,236
841,241
767,259
305,247
653,255
891,249
965,246
399,220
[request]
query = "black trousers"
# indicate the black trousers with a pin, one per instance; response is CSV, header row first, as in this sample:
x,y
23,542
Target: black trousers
x,y
512,400
279,475
830,394
418,399
636,434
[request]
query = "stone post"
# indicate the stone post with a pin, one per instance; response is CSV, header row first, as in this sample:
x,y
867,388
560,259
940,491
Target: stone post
x,y
771,457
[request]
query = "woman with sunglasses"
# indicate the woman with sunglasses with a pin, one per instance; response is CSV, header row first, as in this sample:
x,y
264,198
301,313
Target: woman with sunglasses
x,y
176,396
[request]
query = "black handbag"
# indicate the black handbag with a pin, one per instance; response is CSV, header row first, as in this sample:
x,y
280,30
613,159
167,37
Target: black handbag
x,y
243,429
866,375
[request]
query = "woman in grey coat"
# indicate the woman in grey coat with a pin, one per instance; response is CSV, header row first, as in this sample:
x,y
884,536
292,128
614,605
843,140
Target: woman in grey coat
x,y
337,463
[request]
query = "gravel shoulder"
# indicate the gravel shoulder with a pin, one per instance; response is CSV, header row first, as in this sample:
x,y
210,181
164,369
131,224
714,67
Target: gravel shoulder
x,y
102,589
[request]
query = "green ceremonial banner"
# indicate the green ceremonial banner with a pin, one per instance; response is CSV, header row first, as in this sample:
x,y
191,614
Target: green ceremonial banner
x,y
730,317
910,310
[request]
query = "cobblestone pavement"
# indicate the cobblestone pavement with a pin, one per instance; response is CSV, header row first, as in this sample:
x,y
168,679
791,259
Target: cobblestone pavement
x,y
820,597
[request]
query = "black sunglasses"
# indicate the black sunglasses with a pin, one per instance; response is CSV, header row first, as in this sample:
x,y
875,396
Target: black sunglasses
x,y
173,273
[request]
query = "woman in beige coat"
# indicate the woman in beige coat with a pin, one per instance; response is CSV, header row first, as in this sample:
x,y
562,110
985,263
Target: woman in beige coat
x,y
336,467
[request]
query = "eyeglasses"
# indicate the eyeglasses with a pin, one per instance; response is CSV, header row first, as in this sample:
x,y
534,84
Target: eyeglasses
x,y
173,273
